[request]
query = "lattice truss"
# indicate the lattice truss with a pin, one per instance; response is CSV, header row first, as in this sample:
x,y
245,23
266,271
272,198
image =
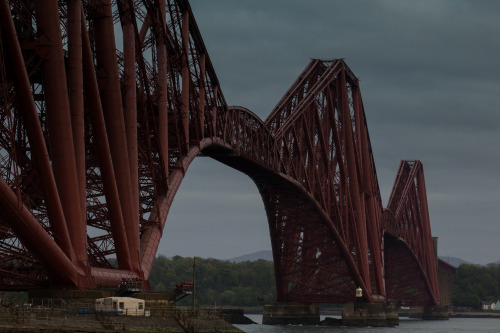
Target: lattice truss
x,y
408,236
103,106
322,142
92,131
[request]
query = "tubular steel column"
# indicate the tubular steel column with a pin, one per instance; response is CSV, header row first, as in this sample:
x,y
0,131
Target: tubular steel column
x,y
427,234
201,104
27,111
36,240
185,77
163,88
373,220
115,126
130,100
213,119
59,120
358,210
75,85
104,154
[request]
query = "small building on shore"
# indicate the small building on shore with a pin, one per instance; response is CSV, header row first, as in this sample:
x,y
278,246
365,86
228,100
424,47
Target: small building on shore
x,y
127,306
487,305
490,306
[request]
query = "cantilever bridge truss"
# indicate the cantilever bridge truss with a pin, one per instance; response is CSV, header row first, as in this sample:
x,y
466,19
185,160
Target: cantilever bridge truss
x,y
97,130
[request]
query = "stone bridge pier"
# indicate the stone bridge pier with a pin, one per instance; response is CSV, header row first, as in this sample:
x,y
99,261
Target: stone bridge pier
x,y
291,313
353,314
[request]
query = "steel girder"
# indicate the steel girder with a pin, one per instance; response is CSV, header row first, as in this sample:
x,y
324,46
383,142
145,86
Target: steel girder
x,y
411,265
92,135
322,144
95,140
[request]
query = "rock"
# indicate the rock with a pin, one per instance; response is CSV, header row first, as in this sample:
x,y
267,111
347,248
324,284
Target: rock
x,y
329,321
236,316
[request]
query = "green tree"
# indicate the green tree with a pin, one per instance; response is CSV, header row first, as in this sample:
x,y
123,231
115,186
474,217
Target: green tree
x,y
160,287
218,282
474,284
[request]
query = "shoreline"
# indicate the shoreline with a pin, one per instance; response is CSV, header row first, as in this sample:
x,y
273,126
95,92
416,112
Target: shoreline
x,y
475,315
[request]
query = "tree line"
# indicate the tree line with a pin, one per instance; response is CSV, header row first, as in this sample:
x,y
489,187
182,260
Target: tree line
x,y
218,282
474,284
250,283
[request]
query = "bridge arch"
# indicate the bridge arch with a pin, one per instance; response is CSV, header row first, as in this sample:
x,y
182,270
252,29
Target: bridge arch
x,y
230,206
304,269
92,136
406,278
411,262
404,275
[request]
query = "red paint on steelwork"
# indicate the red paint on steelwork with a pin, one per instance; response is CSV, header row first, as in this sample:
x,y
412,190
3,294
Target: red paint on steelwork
x,y
93,138
109,190
129,89
407,210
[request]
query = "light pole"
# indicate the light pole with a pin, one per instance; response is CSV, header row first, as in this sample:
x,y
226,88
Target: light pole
x,y
194,283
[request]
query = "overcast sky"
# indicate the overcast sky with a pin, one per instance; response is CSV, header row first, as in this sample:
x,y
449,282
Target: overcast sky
x,y
430,79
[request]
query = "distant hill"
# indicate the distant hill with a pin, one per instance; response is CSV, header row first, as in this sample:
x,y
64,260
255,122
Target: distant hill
x,y
454,261
266,255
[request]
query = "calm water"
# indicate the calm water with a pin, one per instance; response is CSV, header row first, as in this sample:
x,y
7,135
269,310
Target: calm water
x,y
406,325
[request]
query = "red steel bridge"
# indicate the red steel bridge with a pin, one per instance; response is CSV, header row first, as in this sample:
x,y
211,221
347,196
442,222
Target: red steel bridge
x,y
104,105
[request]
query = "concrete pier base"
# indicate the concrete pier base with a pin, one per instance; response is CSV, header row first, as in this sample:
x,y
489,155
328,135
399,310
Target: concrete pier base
x,y
435,313
370,314
285,313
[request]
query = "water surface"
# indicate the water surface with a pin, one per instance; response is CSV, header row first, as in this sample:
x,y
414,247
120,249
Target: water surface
x,y
405,324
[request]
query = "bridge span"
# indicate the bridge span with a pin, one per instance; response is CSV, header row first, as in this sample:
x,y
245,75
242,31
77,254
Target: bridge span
x,y
95,142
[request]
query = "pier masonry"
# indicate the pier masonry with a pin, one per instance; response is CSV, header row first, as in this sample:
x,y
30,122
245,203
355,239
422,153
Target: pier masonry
x,y
435,313
370,314
286,313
